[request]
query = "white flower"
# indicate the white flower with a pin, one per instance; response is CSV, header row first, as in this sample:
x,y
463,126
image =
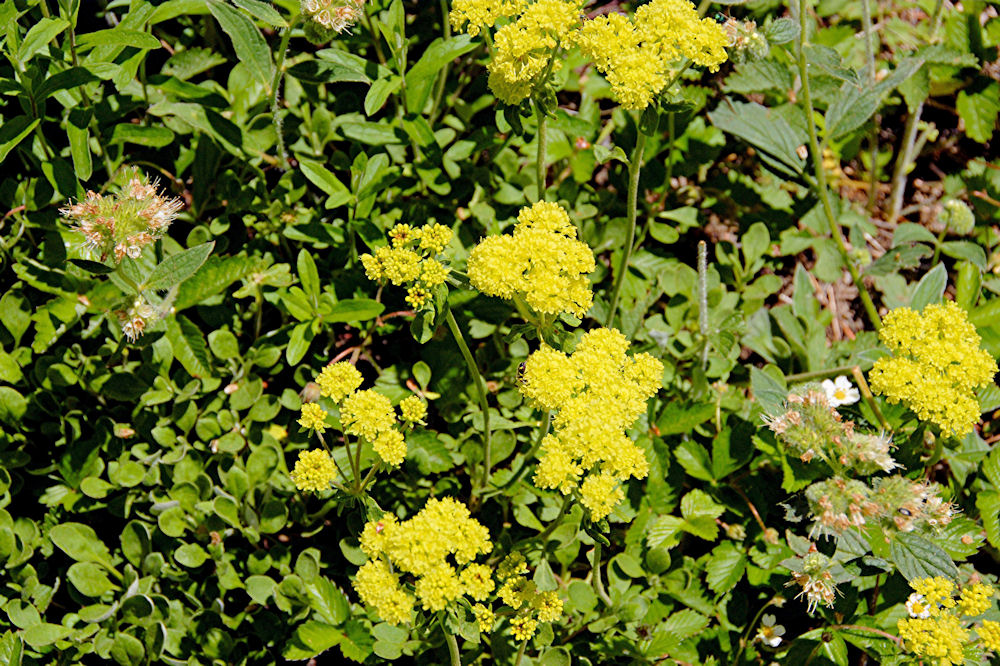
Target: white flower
x,y
917,607
770,633
840,392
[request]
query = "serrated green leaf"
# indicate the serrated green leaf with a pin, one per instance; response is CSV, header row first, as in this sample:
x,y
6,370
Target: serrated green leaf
x,y
725,567
930,289
979,110
189,346
916,557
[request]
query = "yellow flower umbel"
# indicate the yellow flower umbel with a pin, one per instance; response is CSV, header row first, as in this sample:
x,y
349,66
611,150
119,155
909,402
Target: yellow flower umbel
x,y
636,55
524,50
314,471
541,264
122,225
521,594
410,260
935,367
938,628
474,15
435,548
598,392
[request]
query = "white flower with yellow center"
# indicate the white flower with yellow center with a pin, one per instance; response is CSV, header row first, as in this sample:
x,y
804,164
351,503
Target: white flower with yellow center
x,y
918,607
770,633
840,392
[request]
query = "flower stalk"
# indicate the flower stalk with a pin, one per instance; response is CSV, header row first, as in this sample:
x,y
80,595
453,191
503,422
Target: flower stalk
x,y
477,378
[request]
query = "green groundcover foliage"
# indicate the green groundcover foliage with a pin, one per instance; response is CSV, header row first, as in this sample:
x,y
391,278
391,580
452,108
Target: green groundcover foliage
x,y
499,332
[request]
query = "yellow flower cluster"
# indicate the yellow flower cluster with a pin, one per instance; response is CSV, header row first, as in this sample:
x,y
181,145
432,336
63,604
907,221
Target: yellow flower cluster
x,y
989,635
598,391
364,414
542,263
413,409
421,547
314,417
935,630
479,14
410,260
314,470
941,637
523,596
636,54
524,49
936,365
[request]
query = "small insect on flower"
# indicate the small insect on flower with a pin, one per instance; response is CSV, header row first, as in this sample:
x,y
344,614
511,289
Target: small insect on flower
x,y
840,392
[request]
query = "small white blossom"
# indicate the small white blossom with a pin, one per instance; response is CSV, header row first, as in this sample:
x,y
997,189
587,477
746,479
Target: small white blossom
x,y
918,607
770,633
840,392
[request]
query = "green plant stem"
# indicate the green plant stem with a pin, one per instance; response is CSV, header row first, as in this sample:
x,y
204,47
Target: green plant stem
x,y
819,374
598,582
873,176
633,194
540,159
821,185
480,390
523,468
902,167
442,78
520,653
937,246
286,36
866,393
544,534
449,638
703,301
746,636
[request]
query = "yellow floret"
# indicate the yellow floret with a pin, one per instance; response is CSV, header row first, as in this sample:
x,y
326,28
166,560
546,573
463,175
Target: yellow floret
x,y
989,635
549,606
599,493
413,409
941,638
478,581
485,617
936,366
975,599
434,237
314,470
366,414
390,446
542,262
937,592
474,15
379,587
524,627
313,416
338,379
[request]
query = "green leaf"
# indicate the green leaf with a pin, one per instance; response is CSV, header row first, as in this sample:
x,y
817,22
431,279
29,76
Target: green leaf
x,y
328,602
263,11
90,579
760,127
930,289
79,149
767,391
190,555
322,178
988,504
310,639
127,650
308,275
40,35
43,634
979,111
178,267
725,568
214,277
354,310
140,135
991,467
80,542
663,531
13,132
189,346
298,342
421,77
700,511
916,557
782,31
909,232
251,49
11,649
119,37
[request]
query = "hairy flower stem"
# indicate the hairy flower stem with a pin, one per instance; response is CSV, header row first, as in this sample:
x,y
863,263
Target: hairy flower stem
x,y
596,568
821,186
746,635
633,194
456,656
866,20
540,159
818,374
703,301
286,36
480,390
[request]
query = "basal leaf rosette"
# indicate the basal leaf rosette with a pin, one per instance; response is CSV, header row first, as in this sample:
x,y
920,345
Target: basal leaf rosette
x,y
597,393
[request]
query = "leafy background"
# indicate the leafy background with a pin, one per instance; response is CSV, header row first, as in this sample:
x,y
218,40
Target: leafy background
x,y
147,514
